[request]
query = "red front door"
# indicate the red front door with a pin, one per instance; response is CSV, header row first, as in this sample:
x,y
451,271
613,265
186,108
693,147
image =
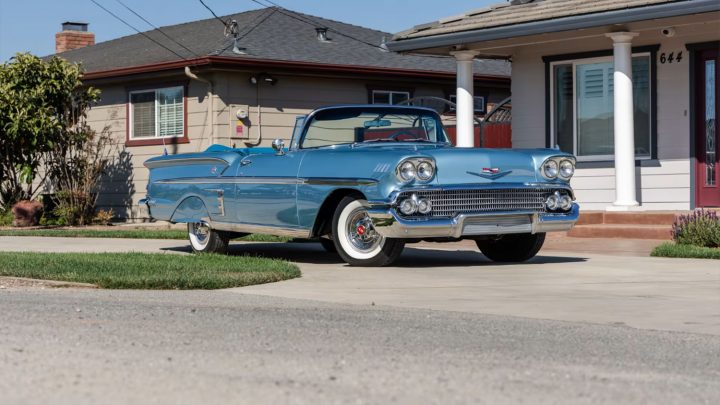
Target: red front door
x,y
707,163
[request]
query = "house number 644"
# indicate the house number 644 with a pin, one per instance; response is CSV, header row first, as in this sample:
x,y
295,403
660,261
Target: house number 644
x,y
671,57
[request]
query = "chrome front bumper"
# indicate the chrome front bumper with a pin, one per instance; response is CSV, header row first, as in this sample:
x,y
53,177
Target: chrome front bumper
x,y
388,224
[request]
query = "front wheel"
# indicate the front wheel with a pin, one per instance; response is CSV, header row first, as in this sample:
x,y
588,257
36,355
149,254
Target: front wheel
x,y
355,238
512,248
204,239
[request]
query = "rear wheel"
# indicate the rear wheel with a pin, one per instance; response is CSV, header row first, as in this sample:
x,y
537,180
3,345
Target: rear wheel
x,y
204,239
355,238
512,248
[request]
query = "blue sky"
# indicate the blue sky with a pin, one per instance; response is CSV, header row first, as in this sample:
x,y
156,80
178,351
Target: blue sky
x,y
30,25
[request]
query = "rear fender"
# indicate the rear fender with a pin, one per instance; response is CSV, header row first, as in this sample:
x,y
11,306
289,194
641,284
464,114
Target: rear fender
x,y
191,209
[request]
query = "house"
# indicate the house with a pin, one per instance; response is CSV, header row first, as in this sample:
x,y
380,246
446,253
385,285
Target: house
x,y
630,87
184,87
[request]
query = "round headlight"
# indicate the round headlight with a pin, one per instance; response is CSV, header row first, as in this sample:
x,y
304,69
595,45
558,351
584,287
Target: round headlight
x,y
424,206
425,171
408,206
565,202
567,169
552,202
406,171
550,169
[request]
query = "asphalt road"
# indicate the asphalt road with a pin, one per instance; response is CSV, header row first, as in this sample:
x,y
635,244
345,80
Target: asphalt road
x,y
73,346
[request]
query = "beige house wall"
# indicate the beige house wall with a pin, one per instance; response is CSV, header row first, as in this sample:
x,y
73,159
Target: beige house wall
x,y
667,184
271,114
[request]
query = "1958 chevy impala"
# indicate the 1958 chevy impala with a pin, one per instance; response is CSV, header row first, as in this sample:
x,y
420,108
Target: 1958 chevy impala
x,y
366,180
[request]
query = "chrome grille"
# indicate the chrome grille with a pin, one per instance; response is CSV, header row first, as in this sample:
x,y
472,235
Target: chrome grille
x,y
448,203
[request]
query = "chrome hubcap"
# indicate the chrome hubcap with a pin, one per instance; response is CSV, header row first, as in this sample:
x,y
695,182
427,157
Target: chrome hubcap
x,y
360,231
200,232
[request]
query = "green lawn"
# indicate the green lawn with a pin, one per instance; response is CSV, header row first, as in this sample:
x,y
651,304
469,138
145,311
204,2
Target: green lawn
x,y
127,233
669,249
147,270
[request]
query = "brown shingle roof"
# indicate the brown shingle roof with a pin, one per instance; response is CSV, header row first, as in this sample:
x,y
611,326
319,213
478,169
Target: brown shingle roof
x,y
505,14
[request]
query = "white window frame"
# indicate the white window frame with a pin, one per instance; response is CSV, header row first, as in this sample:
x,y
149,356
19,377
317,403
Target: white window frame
x,y
390,93
574,63
132,136
477,101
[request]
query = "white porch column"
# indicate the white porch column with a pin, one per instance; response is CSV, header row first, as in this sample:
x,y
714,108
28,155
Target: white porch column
x,y
625,197
464,97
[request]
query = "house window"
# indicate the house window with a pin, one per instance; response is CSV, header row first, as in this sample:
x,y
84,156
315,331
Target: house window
x,y
582,111
157,113
389,97
478,103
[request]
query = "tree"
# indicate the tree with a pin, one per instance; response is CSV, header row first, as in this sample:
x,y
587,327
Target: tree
x,y
42,103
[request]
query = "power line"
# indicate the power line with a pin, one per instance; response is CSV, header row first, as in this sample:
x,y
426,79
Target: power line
x,y
138,31
158,29
213,13
253,24
315,24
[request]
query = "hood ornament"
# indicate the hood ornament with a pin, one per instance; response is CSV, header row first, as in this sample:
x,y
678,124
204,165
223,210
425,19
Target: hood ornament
x,y
491,173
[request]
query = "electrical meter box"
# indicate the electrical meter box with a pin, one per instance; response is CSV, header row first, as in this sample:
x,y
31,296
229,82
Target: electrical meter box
x,y
239,121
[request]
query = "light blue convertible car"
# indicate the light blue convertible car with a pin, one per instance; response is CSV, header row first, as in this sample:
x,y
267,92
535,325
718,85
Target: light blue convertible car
x,y
366,180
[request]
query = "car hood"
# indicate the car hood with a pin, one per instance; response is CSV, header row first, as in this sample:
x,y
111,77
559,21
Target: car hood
x,y
455,166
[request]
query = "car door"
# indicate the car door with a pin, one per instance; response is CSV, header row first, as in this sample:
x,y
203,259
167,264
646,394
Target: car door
x,y
266,189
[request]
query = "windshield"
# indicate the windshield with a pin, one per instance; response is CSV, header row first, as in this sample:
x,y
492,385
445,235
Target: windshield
x,y
371,125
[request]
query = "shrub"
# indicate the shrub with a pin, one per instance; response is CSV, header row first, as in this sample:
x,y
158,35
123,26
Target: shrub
x,y
103,217
75,168
6,217
701,228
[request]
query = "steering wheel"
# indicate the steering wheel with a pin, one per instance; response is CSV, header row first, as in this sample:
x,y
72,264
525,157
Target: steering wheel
x,y
402,132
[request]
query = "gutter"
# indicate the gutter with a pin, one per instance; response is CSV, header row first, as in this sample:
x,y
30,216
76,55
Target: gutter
x,y
211,114
577,22
220,61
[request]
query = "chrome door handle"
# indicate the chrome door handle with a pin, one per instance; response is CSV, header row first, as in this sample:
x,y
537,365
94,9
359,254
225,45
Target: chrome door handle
x,y
245,162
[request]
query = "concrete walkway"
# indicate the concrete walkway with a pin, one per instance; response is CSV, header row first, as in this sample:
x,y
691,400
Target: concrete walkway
x,y
637,291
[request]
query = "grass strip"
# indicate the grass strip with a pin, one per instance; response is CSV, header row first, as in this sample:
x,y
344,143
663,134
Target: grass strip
x,y
128,234
669,249
154,271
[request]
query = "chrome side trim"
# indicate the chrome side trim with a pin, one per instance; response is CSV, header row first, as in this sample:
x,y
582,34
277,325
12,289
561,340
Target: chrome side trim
x,y
388,224
184,161
315,181
255,228
230,180
337,181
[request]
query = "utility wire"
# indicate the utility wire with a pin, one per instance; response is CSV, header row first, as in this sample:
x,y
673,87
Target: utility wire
x,y
254,24
138,31
314,23
213,13
158,29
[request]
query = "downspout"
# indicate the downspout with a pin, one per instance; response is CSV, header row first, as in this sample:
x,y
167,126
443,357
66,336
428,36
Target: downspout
x,y
211,115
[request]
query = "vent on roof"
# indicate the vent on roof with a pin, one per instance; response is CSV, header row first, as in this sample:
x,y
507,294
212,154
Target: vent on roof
x,y
322,34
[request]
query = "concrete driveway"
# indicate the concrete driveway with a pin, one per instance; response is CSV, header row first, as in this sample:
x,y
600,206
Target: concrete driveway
x,y
637,291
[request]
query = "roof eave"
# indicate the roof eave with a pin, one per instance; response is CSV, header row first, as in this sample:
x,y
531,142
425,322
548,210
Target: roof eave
x,y
555,25
220,61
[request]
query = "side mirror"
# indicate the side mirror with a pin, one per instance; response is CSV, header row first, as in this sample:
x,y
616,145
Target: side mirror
x,y
278,145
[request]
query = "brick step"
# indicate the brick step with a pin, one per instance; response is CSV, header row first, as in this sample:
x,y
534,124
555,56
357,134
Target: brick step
x,y
659,232
629,218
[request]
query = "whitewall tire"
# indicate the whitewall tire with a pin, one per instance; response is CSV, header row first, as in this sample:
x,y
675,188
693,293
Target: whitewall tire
x,y
355,238
204,239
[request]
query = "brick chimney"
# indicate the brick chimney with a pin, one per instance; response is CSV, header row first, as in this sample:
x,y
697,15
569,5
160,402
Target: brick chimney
x,y
73,35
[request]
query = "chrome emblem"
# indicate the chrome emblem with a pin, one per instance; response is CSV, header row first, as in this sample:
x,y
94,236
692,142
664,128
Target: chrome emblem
x,y
491,173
